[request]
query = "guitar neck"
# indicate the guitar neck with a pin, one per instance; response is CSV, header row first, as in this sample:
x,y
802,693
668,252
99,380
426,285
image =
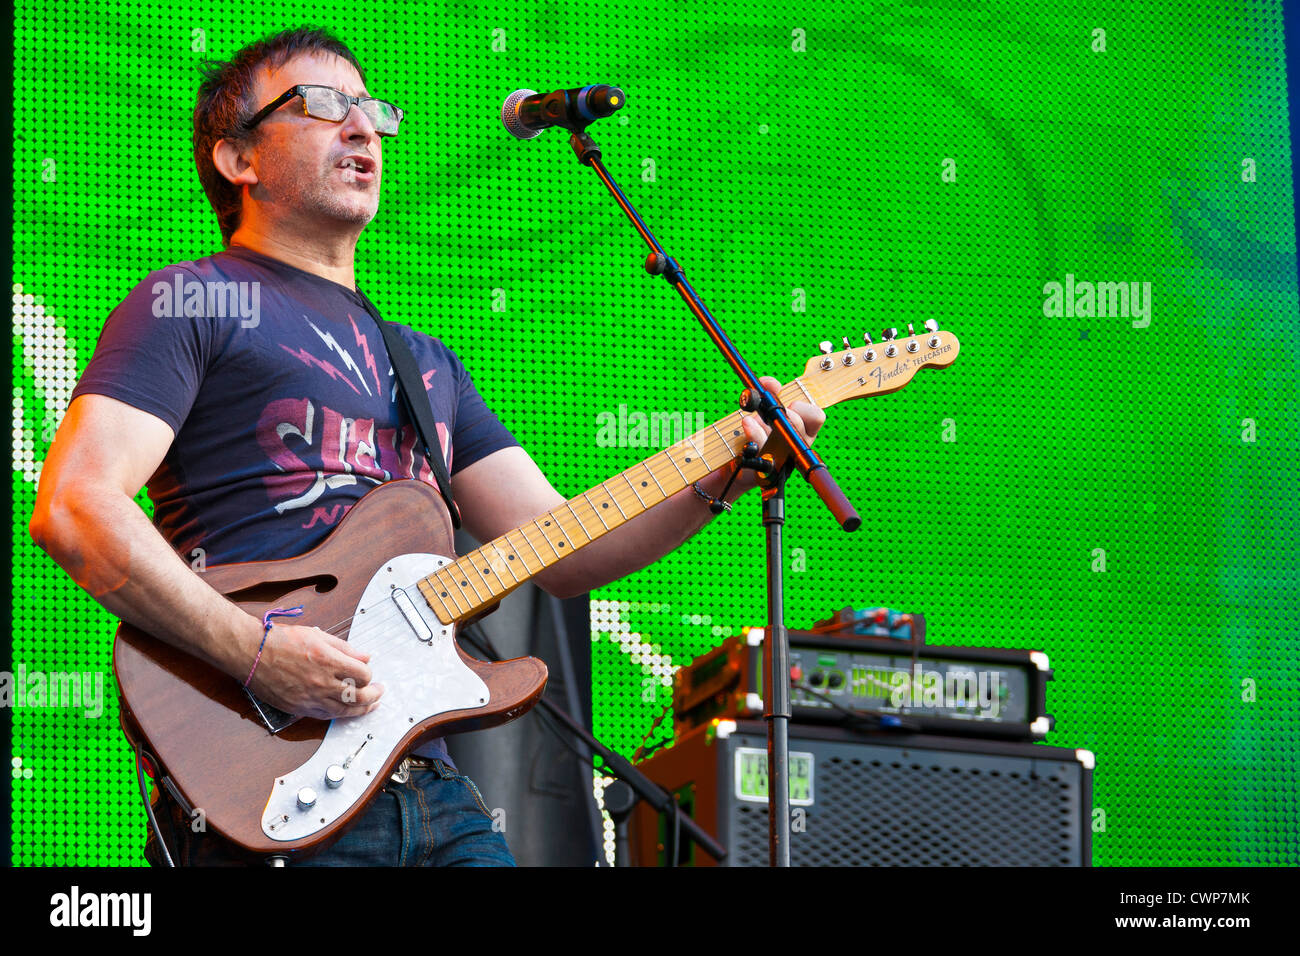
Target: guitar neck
x,y
478,580
470,585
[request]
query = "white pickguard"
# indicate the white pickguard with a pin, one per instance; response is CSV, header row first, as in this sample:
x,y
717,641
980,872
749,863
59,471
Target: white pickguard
x,y
422,676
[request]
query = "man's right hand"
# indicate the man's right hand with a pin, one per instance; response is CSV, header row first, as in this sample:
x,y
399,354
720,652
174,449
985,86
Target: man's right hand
x,y
310,673
87,520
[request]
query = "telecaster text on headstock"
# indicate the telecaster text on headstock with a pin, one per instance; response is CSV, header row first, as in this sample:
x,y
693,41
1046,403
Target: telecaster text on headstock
x,y
904,365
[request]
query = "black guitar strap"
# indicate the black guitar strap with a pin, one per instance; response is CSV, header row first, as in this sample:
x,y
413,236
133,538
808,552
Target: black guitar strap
x,y
415,399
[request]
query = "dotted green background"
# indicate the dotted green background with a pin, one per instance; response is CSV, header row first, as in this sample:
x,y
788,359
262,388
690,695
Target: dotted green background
x,y
818,174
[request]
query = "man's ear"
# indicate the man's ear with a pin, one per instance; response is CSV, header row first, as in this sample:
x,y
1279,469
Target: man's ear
x,y
231,163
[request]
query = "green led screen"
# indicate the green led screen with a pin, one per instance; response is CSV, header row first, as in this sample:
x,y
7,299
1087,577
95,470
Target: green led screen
x,y
1114,486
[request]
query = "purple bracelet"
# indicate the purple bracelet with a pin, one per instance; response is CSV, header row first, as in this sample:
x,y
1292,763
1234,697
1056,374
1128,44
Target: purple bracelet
x,y
266,629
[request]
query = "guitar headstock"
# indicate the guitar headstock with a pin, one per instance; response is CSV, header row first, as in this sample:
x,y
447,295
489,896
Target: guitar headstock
x,y
875,368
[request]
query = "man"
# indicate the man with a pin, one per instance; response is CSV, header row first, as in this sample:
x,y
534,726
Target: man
x,y
256,432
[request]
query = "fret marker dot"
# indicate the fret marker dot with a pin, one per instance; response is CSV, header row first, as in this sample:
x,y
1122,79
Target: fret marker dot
x,y
464,583
561,544
547,523
643,484
605,505
511,557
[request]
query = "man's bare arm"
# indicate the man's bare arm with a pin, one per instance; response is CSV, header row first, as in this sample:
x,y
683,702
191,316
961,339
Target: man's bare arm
x,y
506,489
86,519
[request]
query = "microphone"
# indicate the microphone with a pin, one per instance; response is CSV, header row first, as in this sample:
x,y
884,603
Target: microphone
x,y
526,113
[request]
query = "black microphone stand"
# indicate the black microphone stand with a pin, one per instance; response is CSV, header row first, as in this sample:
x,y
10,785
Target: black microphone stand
x,y
786,449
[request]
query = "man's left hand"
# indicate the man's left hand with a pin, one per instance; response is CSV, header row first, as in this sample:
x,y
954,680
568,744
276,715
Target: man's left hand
x,y
807,420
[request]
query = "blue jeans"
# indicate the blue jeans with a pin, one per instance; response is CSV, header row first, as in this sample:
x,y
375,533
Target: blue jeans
x,y
437,818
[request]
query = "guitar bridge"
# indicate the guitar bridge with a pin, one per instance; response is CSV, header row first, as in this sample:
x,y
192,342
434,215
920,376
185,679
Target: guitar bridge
x,y
274,718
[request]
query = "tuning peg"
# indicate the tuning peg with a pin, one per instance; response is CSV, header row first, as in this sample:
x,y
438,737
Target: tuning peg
x,y
827,348
931,325
866,337
910,330
888,335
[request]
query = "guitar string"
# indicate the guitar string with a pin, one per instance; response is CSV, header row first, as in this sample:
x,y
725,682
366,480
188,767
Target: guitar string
x,y
619,498
389,638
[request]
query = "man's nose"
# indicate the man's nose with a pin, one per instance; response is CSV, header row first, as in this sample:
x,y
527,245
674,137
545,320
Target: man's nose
x,y
357,123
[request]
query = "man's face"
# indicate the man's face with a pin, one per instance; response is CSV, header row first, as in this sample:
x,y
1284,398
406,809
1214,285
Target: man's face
x,y
299,159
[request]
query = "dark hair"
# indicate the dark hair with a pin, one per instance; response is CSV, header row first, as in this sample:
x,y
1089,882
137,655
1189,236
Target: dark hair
x,y
225,103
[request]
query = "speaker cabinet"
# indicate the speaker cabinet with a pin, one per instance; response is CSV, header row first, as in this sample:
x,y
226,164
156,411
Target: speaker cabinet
x,y
874,799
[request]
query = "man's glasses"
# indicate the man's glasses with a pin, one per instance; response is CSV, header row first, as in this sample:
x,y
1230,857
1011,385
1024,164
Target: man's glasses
x,y
326,103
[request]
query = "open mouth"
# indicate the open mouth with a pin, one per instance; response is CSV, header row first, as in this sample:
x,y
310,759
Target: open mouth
x,y
357,168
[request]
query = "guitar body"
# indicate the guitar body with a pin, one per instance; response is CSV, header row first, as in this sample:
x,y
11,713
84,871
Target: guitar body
x,y
251,784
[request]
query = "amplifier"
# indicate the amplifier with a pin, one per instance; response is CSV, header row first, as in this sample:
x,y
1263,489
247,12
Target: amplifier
x,y
877,799
979,691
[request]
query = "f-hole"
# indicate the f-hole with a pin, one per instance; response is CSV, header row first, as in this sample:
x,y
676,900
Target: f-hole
x,y
272,591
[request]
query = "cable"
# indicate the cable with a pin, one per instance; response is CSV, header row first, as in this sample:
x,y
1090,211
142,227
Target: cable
x,y
884,721
148,807
654,748
477,638
483,645
636,757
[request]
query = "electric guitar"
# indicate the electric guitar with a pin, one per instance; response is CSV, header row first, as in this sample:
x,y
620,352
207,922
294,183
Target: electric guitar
x,y
278,785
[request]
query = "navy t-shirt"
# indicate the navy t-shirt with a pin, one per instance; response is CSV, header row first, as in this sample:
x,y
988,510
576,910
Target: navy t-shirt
x,y
278,387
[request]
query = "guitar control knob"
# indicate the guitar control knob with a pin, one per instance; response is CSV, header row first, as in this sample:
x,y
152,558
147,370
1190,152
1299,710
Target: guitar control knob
x,y
888,334
306,798
334,775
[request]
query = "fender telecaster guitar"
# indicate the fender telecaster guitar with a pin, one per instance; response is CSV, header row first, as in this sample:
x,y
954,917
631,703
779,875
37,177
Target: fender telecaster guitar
x,y
272,784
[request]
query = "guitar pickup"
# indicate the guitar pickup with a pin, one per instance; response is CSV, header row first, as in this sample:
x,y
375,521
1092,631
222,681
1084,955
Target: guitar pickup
x,y
405,605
